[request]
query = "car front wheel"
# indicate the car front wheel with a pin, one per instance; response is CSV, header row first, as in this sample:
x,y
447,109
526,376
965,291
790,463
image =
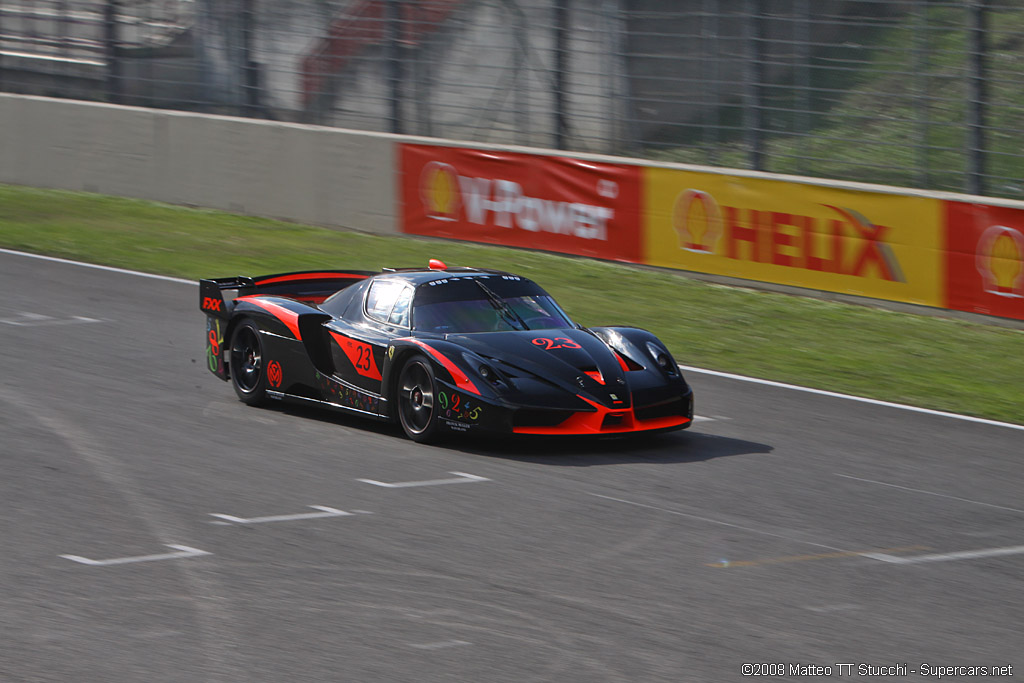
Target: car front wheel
x,y
417,407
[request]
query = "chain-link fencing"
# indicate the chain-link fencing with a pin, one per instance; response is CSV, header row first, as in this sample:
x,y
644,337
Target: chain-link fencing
x,y
918,93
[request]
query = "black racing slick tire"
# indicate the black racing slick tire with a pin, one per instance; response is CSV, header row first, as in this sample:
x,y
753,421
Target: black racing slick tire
x,y
417,400
246,360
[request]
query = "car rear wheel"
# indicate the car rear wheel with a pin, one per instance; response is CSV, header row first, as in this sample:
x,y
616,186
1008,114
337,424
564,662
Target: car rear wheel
x,y
417,407
246,363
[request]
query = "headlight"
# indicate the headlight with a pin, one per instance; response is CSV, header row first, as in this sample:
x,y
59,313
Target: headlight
x,y
662,358
489,374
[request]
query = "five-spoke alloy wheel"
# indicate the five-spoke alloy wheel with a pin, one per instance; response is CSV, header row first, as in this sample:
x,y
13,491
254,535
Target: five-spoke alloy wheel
x,y
417,408
246,363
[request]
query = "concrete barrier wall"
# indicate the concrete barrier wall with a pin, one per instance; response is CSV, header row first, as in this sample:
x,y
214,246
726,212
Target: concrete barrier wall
x,y
308,174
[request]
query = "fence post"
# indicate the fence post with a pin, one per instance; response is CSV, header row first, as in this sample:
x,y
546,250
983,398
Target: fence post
x,y
711,56
922,108
1,53
977,97
628,140
110,49
561,72
803,81
395,76
250,69
754,77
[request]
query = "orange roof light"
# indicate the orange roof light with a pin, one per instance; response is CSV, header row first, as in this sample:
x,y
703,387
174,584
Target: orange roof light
x,y
437,265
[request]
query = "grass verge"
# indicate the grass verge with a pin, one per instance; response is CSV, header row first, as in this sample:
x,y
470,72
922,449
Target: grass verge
x,y
930,362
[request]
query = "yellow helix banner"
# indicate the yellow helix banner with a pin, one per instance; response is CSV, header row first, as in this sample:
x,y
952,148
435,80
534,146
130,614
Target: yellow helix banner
x,y
884,246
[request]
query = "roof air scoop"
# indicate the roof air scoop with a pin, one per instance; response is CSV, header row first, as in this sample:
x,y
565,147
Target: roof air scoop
x,y
435,264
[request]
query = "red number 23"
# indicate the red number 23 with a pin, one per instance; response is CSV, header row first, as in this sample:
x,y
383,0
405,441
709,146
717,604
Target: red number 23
x,y
549,344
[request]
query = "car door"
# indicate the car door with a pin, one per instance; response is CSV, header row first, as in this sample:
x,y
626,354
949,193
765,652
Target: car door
x,y
359,343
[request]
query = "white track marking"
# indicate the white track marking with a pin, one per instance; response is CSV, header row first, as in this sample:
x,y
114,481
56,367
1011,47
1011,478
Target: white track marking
x,y
832,608
848,397
688,368
947,557
438,646
216,625
110,269
930,493
324,512
720,522
37,320
463,478
183,551
221,409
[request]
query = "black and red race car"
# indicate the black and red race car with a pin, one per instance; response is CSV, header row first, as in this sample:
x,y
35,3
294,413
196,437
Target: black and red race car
x,y
438,350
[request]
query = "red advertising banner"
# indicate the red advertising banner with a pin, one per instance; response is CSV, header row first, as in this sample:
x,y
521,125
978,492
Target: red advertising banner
x,y
522,200
985,259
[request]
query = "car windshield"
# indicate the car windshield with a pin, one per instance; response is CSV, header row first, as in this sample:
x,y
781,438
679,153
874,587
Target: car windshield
x,y
492,303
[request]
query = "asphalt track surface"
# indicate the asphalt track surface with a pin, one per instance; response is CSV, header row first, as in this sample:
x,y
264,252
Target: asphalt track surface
x,y
790,528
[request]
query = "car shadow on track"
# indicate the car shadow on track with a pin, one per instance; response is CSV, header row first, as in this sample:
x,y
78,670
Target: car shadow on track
x,y
566,451
675,447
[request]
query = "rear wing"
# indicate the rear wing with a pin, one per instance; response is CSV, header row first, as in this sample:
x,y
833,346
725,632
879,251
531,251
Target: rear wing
x,y
312,286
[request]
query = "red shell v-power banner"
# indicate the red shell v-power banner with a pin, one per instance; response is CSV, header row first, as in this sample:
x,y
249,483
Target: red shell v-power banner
x,y
522,200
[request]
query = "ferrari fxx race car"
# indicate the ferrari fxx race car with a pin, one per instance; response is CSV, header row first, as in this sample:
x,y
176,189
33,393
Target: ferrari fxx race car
x,y
438,350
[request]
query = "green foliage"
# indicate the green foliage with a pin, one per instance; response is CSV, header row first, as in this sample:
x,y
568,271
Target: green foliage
x,y
897,114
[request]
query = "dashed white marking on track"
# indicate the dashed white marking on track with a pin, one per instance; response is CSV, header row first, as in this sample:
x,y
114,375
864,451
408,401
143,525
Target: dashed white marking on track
x,y
720,522
183,551
462,478
324,512
37,320
930,493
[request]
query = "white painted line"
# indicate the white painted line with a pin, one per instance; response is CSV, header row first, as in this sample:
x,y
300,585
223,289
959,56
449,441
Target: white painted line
x,y
220,409
324,512
720,522
930,493
37,320
183,551
848,397
688,368
824,609
947,557
463,478
110,269
438,646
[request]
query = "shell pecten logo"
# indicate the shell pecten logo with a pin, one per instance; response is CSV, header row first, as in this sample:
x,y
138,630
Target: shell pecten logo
x,y
697,220
439,190
1000,261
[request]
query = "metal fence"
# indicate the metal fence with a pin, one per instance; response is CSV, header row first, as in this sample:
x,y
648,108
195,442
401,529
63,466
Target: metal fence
x,y
918,93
